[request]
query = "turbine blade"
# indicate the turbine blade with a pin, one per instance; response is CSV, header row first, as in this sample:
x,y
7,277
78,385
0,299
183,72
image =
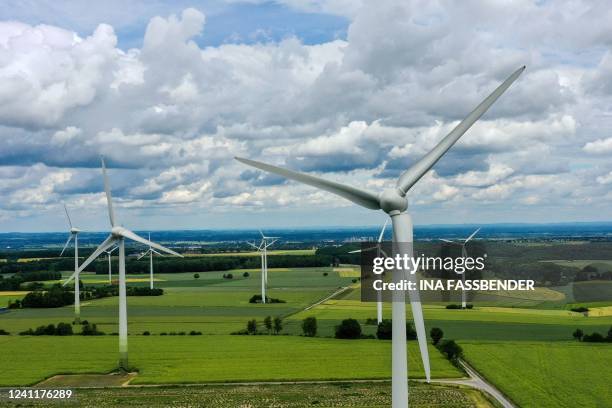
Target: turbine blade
x,y
418,170
449,241
271,243
262,235
66,245
419,325
67,216
472,236
358,196
109,241
357,251
158,253
141,255
109,198
382,232
130,235
253,245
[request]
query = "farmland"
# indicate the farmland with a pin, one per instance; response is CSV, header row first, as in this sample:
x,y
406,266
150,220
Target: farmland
x,y
557,374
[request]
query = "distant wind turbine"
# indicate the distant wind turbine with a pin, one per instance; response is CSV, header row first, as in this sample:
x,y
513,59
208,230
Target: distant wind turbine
x,y
395,204
464,256
263,250
150,252
110,268
379,252
74,234
117,236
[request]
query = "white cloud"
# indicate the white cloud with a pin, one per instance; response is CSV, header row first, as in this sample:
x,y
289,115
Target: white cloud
x,y
599,146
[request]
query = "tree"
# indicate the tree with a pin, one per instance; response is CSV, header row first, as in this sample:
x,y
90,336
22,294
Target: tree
x,y
436,335
348,329
609,337
325,273
245,275
384,331
63,329
278,325
411,333
196,276
268,323
578,334
451,349
309,326
252,326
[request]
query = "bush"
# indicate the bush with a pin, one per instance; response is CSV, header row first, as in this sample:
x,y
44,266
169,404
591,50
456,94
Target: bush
x,y
578,334
4,332
242,332
245,275
63,329
371,321
196,276
143,291
411,333
348,329
56,296
195,333
252,326
384,331
84,322
90,330
593,338
228,276
451,349
146,333
453,306
182,333
354,280
309,326
257,299
580,309
325,273
436,335
268,323
163,334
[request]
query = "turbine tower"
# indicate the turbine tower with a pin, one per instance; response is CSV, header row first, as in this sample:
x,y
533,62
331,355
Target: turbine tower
x,y
150,252
464,256
265,245
110,268
379,252
74,233
395,204
118,235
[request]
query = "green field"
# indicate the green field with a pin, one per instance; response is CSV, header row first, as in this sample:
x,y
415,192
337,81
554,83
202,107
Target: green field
x,y
212,358
546,374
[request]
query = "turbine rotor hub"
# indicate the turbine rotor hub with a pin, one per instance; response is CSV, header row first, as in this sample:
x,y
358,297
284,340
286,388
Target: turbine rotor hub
x,y
117,232
391,200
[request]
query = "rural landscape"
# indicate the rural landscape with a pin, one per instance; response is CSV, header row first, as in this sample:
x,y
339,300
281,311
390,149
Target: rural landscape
x,y
198,331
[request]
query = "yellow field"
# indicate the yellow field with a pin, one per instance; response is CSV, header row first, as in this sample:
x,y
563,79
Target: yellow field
x,y
255,253
14,293
600,311
32,259
348,272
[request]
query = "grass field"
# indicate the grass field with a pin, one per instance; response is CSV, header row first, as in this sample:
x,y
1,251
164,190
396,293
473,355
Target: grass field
x,y
545,374
362,395
211,358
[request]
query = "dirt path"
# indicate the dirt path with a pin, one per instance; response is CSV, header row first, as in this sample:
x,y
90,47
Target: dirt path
x,y
478,382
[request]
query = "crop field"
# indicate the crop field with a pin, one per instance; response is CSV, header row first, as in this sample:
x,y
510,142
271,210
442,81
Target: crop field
x,y
365,395
210,358
550,374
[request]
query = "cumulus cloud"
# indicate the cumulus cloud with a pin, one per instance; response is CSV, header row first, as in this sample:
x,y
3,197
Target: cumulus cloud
x,y
170,114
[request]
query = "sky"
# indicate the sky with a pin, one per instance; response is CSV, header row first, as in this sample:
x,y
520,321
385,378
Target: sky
x,y
170,91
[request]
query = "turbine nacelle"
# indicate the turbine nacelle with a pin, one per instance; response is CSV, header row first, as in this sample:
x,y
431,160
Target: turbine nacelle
x,y
118,232
391,201
74,230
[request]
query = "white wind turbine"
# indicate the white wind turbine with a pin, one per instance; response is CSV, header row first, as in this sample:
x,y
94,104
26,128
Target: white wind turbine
x,y
110,267
263,250
74,233
379,252
117,236
150,252
464,256
395,204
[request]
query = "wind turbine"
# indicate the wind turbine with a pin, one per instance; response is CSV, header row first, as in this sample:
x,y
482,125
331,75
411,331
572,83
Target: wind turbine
x,y
118,235
150,252
108,254
262,249
379,251
74,233
464,256
395,204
